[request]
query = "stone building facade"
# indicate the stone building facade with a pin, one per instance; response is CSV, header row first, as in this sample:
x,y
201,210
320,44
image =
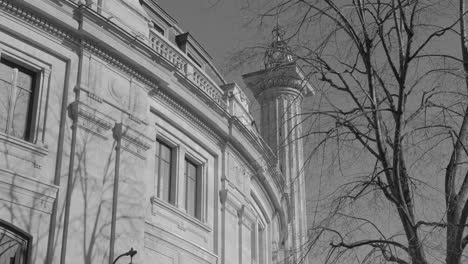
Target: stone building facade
x,y
117,132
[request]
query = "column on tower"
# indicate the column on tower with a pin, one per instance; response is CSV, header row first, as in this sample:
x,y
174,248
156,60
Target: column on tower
x,y
279,89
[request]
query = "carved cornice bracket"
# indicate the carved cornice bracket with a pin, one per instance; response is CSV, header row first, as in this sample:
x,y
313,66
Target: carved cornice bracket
x,y
132,141
90,119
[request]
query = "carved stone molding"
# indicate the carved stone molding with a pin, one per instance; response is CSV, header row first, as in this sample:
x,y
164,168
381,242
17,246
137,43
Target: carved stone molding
x,y
284,82
90,119
187,114
245,216
27,192
95,97
95,49
288,94
156,234
229,200
132,140
60,32
32,18
181,218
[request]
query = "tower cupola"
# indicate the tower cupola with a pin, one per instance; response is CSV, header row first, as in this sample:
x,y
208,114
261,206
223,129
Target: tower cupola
x,y
278,53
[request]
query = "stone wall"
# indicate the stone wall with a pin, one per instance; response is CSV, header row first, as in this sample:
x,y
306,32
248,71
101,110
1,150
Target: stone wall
x,y
84,186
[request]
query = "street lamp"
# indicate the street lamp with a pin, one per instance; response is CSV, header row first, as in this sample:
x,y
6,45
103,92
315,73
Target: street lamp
x,y
130,253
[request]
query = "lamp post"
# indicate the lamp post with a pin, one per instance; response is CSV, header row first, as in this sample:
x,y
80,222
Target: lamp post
x,y
130,253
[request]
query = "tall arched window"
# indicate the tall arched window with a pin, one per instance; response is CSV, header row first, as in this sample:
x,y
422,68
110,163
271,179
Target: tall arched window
x,y
14,244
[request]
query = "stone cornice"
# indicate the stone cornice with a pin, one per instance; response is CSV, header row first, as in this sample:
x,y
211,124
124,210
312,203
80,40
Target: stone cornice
x,y
163,14
289,76
186,113
283,82
27,16
95,49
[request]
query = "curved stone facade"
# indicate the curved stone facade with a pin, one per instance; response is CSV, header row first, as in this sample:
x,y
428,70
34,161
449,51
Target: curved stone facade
x,y
132,140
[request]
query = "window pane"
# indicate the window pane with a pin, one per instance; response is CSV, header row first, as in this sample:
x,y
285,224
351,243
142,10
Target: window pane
x,y
6,72
6,77
4,99
164,180
156,176
191,178
159,29
19,125
191,196
191,170
163,171
165,153
25,80
16,87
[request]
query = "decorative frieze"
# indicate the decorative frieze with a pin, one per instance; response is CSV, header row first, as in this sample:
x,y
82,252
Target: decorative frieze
x,y
136,119
95,97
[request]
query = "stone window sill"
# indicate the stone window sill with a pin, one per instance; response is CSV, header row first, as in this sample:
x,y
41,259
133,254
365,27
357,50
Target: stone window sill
x,y
172,208
22,144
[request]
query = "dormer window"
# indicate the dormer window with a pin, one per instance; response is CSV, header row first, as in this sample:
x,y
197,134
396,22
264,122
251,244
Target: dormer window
x,y
194,60
157,28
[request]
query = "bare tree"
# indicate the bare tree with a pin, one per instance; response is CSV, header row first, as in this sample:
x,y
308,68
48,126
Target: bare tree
x,y
392,90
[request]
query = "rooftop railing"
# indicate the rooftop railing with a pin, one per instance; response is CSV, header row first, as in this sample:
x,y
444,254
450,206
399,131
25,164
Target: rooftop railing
x,y
187,68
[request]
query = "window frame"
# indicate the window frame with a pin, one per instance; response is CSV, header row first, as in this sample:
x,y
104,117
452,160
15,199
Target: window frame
x,y
194,60
22,234
172,199
39,101
158,29
31,111
183,149
155,27
198,187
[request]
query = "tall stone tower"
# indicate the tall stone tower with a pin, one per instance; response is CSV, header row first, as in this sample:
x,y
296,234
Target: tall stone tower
x,y
279,90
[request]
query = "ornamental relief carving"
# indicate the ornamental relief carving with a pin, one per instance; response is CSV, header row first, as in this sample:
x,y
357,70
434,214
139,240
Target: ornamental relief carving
x,y
115,89
118,89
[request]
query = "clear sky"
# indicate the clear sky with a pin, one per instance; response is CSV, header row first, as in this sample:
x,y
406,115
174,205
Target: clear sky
x,y
220,26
